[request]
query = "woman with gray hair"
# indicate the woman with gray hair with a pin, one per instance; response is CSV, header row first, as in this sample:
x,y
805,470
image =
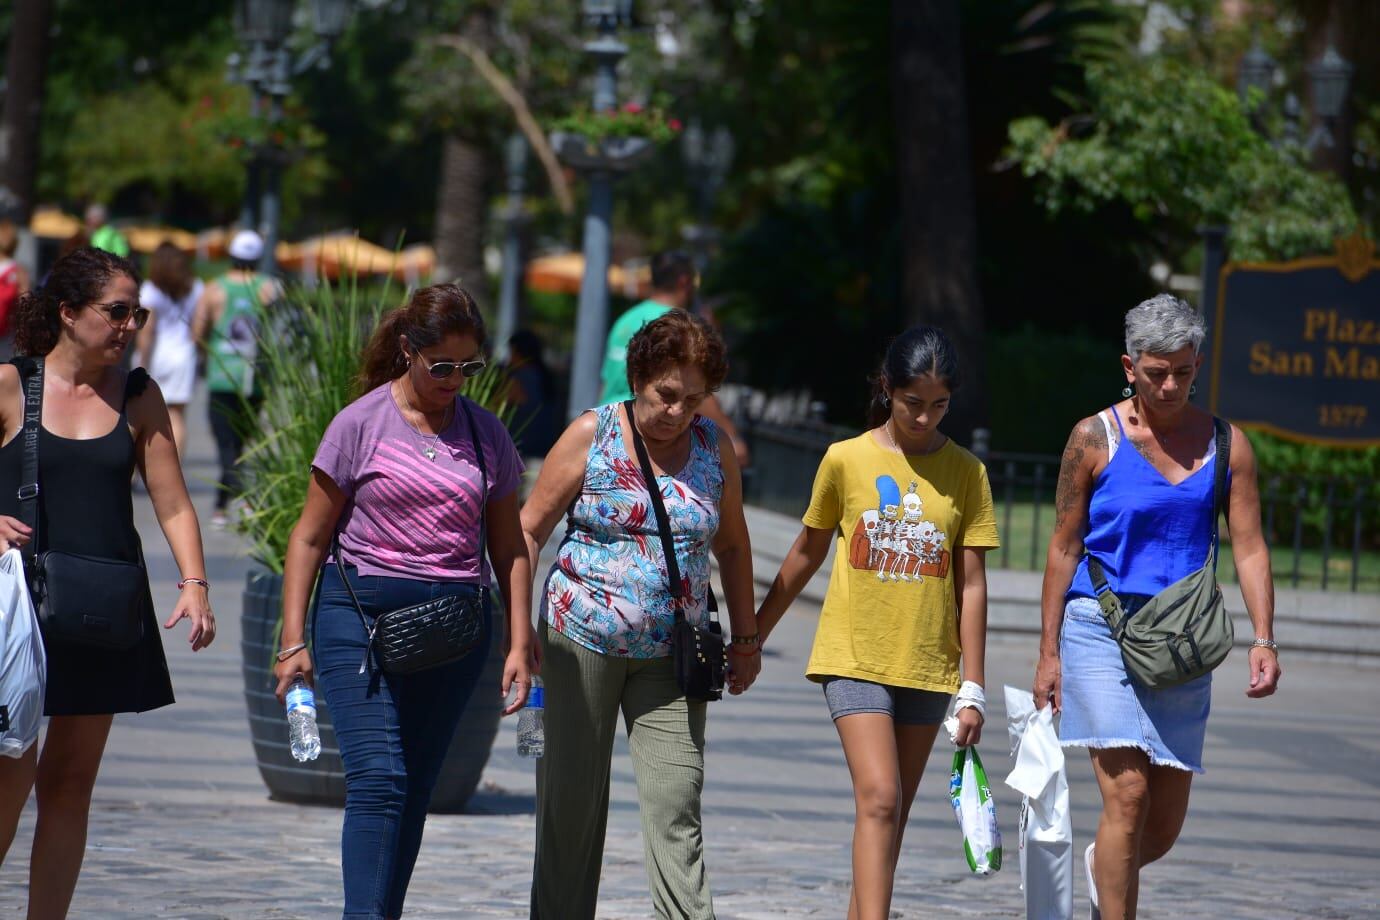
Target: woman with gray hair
x,y
1136,494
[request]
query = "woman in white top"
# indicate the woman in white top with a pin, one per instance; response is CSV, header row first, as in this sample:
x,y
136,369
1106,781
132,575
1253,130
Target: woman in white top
x,y
166,346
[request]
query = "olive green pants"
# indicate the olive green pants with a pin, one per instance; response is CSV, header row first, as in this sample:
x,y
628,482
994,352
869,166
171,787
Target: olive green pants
x,y
584,693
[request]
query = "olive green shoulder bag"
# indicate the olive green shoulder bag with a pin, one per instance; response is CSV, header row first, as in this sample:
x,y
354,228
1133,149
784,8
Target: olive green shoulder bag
x,y
1184,631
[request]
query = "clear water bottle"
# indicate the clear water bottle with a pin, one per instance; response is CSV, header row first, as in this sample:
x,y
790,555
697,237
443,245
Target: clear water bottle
x,y
303,737
531,740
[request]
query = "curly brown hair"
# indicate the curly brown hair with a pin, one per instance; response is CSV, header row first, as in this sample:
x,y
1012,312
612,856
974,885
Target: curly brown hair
x,y
429,315
676,340
77,279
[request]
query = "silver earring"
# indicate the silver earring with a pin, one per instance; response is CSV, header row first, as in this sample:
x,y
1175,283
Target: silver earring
x,y
886,400
1127,392
1193,389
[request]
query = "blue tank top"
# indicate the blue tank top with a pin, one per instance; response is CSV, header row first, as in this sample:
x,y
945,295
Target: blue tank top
x,y
1147,532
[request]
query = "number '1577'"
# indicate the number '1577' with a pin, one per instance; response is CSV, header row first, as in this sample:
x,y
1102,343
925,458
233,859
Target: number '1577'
x,y
1342,416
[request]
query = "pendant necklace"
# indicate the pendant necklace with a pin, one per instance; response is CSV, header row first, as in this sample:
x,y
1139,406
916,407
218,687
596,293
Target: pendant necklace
x,y
428,441
886,427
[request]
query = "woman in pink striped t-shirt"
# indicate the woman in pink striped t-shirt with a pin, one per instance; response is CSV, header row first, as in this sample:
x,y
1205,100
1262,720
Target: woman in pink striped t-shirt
x,y
398,478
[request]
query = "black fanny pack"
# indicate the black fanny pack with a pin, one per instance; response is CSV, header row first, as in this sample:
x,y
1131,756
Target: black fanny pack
x,y
698,652
438,631
83,599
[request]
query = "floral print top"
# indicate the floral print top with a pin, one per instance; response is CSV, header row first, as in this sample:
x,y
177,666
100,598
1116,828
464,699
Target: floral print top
x,y
608,588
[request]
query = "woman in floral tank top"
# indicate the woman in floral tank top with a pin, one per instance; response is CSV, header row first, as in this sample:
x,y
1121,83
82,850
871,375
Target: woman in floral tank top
x,y
607,612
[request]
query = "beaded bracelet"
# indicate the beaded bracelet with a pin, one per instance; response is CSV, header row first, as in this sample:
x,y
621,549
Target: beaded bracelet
x,y
194,581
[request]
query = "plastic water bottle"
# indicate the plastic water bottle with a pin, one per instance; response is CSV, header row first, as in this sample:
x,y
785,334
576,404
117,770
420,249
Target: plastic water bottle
x,y
303,737
531,740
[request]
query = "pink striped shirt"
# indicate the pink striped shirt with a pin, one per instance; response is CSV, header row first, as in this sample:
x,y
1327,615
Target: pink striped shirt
x,y
408,516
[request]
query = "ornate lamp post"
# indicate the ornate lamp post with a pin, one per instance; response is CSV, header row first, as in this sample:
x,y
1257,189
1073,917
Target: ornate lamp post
x,y
1329,79
707,159
599,161
267,68
1330,76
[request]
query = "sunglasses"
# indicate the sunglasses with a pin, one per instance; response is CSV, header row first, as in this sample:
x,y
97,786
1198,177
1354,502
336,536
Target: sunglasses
x,y
120,314
443,369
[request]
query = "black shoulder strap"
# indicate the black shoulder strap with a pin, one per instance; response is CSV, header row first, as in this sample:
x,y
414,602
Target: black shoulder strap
x,y
483,493
663,524
31,373
1219,479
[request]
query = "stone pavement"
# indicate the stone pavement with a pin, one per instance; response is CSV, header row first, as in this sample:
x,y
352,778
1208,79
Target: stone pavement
x,y
1286,824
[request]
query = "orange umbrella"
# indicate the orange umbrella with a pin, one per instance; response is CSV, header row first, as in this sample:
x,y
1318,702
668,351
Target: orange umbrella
x,y
561,274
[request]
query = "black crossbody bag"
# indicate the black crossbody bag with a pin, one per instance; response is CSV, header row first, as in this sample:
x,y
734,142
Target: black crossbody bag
x,y
434,632
85,600
698,652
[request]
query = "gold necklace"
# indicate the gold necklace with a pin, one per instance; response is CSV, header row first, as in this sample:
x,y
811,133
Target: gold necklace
x,y
886,427
428,446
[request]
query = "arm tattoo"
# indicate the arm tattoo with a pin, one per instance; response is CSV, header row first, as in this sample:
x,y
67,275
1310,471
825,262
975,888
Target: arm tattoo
x,y
1086,436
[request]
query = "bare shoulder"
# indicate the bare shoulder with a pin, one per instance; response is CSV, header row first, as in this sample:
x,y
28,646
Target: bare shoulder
x,y
1087,442
1242,453
145,401
579,434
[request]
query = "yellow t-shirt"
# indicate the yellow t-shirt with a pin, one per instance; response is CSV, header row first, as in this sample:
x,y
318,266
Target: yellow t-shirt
x,y
891,615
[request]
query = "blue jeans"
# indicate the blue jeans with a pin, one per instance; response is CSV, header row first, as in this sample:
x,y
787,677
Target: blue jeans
x,y
393,730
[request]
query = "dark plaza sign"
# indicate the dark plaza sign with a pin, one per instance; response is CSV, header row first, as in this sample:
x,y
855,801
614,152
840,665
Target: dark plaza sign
x,y
1296,347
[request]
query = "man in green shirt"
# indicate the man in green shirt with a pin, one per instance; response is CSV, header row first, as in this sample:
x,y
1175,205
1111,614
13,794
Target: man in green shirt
x,y
102,234
673,288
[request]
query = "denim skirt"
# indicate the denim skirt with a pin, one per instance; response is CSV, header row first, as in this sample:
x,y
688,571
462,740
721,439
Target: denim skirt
x,y
1104,708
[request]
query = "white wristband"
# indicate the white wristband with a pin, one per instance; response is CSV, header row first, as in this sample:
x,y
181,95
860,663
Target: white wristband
x,y
970,696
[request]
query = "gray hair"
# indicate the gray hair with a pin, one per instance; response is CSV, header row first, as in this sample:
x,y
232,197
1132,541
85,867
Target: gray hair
x,y
1162,325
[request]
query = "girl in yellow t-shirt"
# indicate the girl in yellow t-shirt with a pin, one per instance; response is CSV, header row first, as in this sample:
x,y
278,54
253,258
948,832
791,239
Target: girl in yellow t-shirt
x,y
907,599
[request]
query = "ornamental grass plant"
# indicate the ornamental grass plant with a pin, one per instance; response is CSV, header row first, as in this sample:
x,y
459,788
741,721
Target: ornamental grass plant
x,y
310,345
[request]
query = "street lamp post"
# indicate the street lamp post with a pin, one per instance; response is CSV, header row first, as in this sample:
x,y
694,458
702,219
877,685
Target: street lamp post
x,y
514,221
1329,79
592,320
267,68
707,159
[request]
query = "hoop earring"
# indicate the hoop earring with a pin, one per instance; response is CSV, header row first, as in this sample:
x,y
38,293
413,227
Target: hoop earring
x,y
1193,389
886,400
1127,392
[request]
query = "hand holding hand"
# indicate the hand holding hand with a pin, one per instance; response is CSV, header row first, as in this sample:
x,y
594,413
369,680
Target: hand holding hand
x,y
195,604
743,667
1265,672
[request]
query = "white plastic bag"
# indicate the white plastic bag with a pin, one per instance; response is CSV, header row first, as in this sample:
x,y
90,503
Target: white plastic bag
x,y
1046,835
23,666
971,796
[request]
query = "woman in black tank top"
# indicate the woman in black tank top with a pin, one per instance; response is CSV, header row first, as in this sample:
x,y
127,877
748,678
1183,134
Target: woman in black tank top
x,y
98,425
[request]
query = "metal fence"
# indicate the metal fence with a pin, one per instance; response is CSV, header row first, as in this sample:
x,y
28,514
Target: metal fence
x,y
1321,531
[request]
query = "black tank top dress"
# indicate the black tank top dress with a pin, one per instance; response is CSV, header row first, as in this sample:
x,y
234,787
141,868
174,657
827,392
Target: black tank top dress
x,y
85,507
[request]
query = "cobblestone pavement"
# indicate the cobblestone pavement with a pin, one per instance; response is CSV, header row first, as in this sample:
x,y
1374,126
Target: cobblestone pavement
x,y
1286,823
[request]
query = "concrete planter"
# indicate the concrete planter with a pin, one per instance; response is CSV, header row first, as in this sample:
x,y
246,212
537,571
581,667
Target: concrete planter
x,y
322,781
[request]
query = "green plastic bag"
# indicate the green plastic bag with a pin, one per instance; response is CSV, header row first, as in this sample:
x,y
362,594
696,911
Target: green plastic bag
x,y
971,796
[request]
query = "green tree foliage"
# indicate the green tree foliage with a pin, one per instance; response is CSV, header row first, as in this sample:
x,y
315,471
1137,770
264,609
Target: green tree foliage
x,y
191,135
1175,146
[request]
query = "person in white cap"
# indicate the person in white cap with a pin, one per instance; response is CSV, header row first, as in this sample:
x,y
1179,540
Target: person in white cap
x,y
226,330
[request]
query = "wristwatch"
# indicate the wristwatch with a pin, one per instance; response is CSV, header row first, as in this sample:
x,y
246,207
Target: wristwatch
x,y
1265,643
